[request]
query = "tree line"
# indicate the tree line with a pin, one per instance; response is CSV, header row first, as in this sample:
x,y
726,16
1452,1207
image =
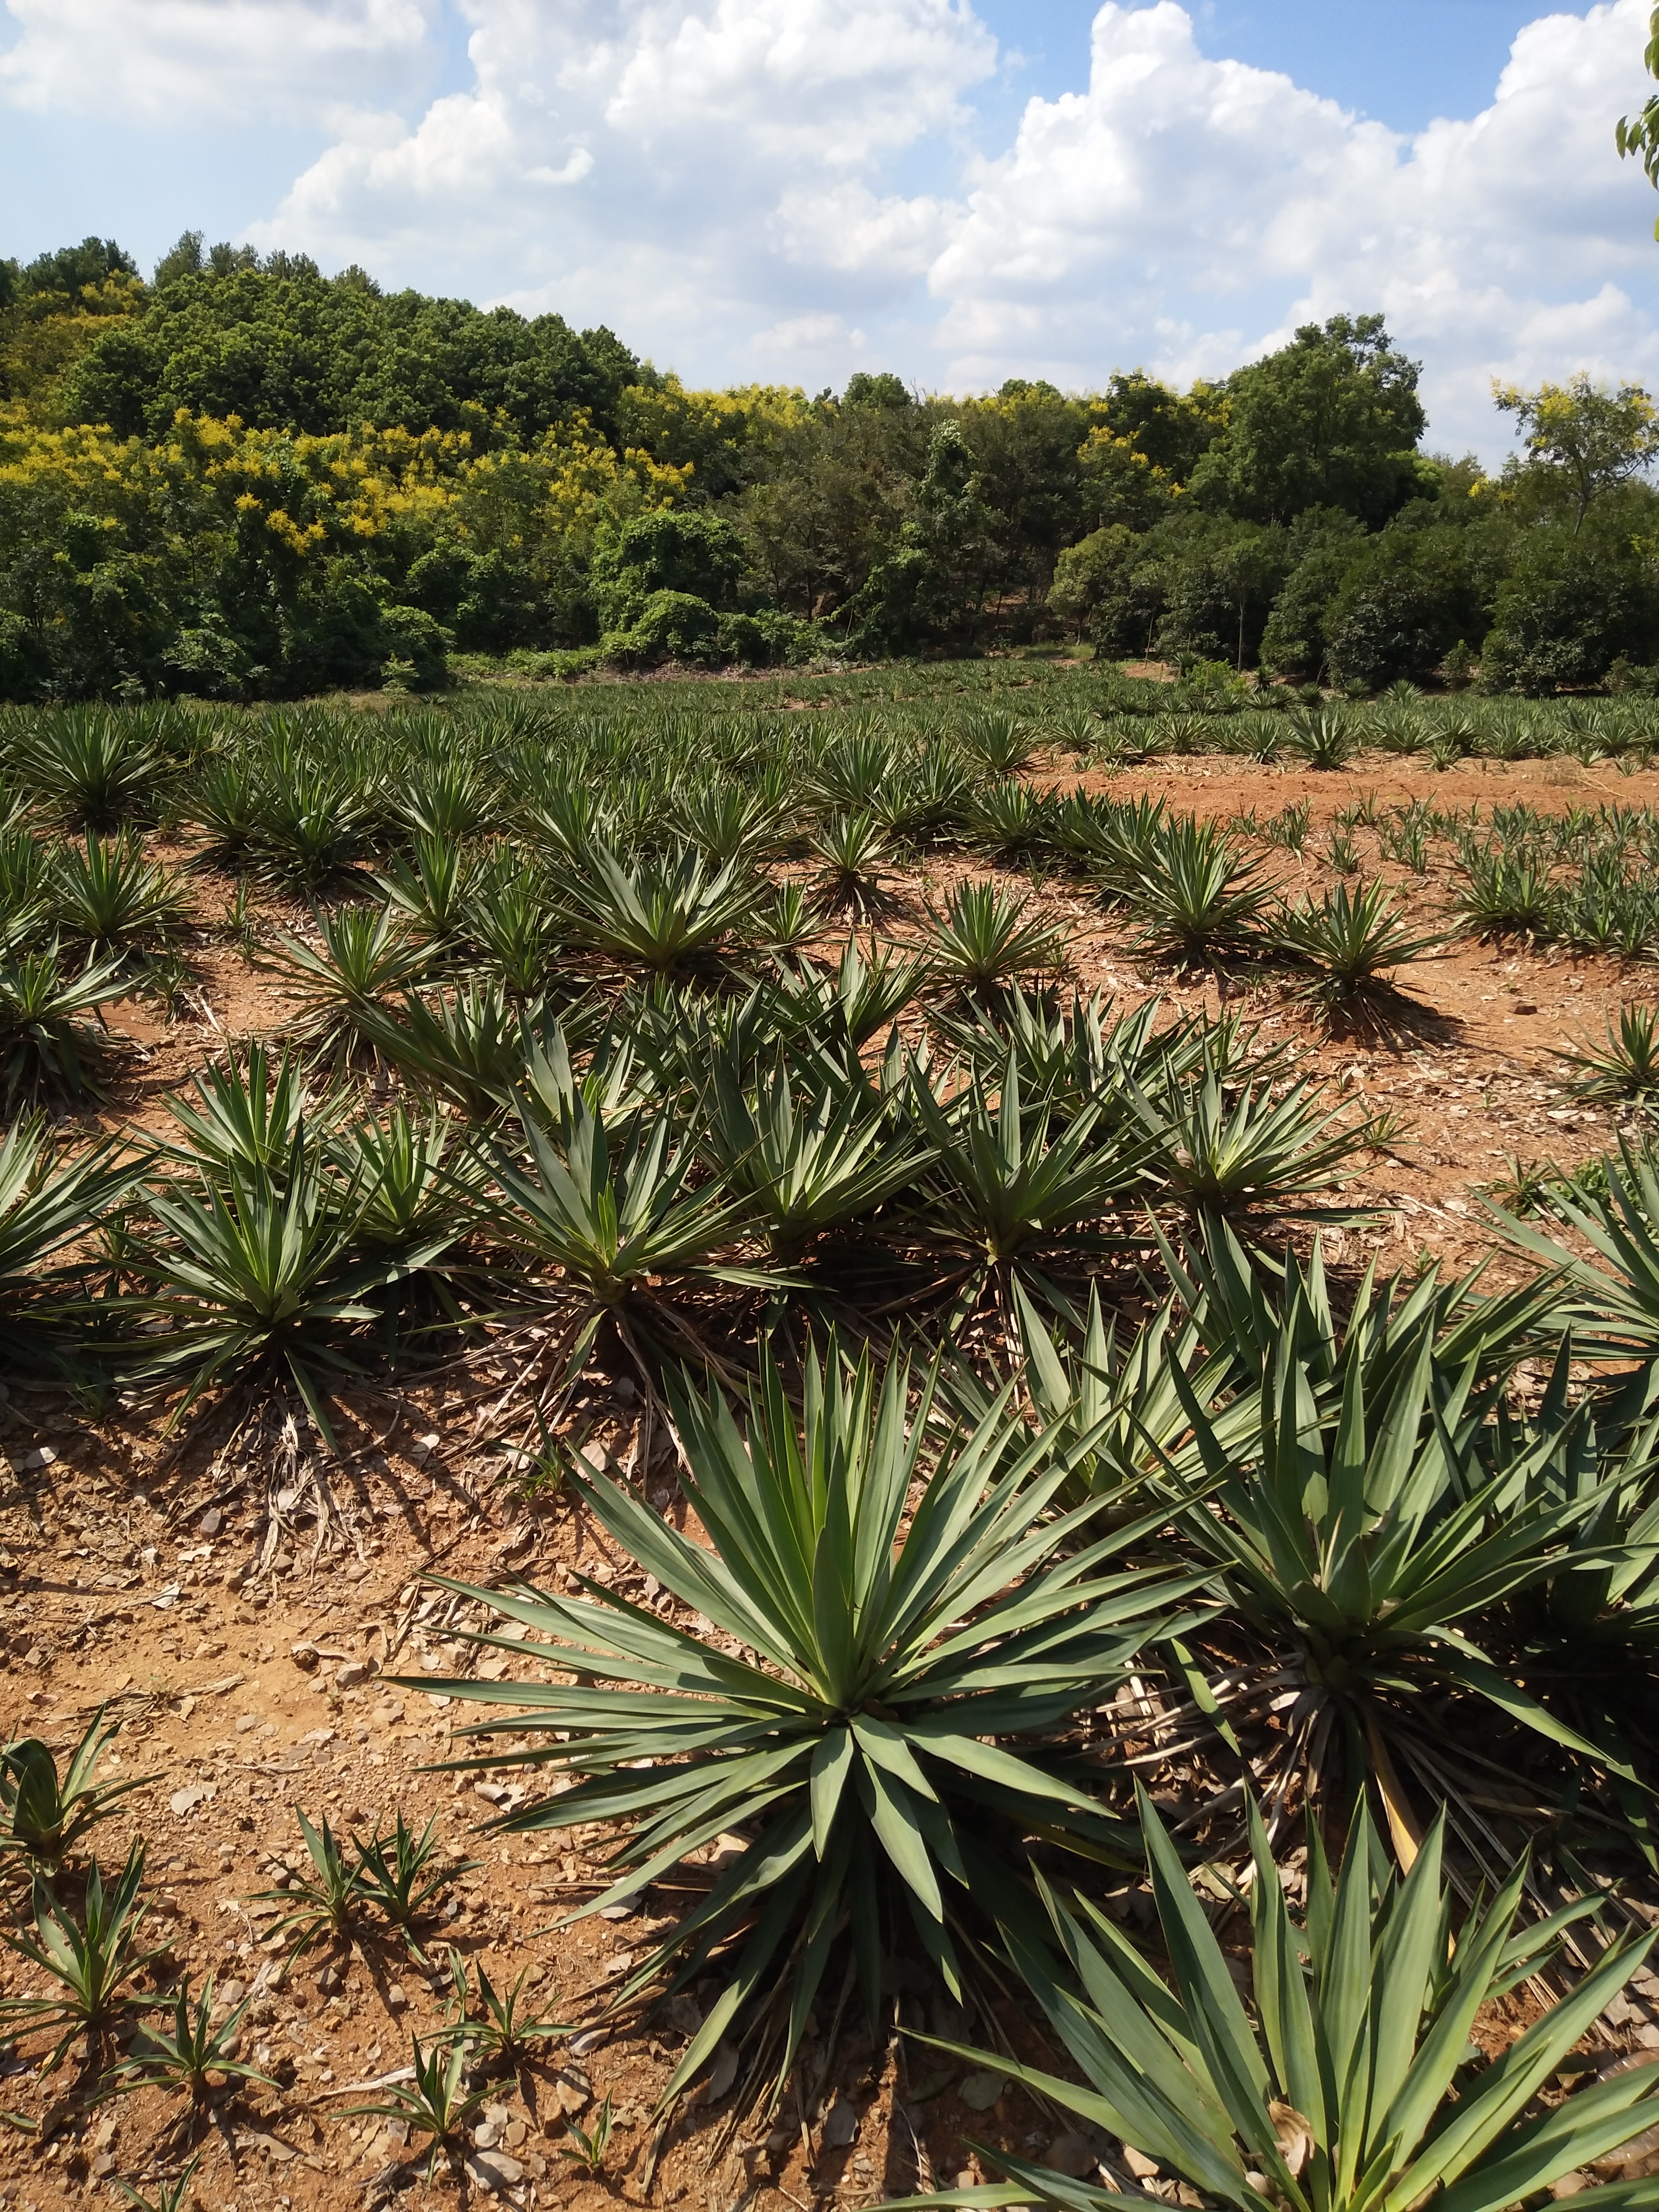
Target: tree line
x,y
243,478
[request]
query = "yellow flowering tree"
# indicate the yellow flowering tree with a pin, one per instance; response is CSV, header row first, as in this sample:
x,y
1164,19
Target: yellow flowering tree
x,y
1588,436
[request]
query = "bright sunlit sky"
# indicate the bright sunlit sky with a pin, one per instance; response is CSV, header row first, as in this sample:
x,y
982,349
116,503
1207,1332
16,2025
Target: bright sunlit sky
x,y
958,190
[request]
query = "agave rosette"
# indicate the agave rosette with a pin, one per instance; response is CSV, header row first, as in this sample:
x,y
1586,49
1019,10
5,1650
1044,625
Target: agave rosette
x,y
875,1690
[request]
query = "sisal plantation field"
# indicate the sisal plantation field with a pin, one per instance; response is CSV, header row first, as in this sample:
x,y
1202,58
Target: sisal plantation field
x,y
828,1439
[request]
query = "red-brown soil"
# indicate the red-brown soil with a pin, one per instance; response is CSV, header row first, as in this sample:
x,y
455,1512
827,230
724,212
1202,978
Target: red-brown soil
x,y
129,1577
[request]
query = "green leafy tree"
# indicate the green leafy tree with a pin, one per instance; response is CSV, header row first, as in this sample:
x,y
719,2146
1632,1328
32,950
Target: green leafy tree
x,y
1244,574
1323,547
1640,139
1586,437
827,490
1569,607
690,553
1121,485
71,268
1097,589
930,586
1204,583
489,600
1025,445
1404,598
881,391
1331,420
282,346
1174,430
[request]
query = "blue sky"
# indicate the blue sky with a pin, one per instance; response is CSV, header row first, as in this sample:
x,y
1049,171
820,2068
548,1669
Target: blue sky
x,y
1403,61
786,189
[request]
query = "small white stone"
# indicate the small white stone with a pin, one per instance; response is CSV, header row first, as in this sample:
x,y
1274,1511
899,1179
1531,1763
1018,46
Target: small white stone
x,y
573,2089
493,2171
979,2091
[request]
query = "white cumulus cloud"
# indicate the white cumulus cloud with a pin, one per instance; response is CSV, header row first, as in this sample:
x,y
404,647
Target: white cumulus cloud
x,y
823,84
184,62
1185,206
745,187
695,175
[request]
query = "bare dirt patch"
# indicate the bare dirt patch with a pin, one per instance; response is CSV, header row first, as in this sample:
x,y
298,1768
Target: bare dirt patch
x,y
129,1578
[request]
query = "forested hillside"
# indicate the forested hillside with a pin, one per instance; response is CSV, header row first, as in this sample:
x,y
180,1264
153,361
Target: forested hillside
x,y
245,479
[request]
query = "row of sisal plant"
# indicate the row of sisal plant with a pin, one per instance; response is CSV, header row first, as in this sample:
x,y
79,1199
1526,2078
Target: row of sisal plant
x,y
1343,1562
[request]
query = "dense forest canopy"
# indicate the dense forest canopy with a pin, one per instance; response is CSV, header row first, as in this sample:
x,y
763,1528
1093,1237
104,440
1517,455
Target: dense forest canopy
x,y
243,478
